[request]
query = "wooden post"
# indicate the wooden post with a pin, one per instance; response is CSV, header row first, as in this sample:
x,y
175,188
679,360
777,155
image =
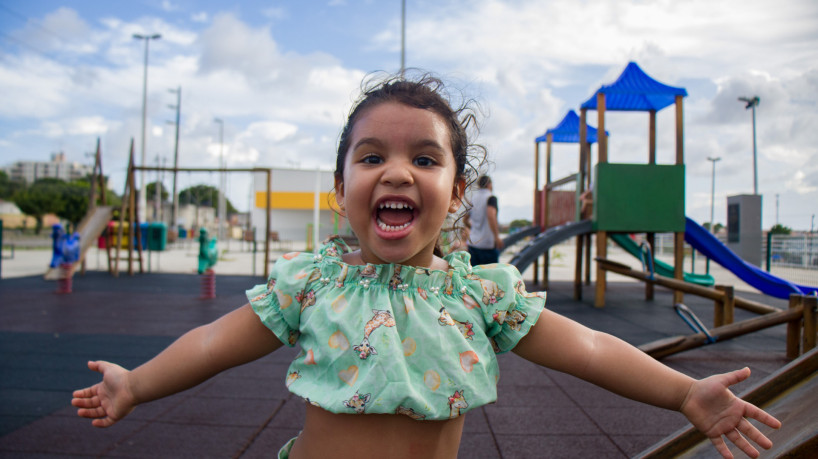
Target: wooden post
x,y
810,319
724,309
601,236
536,182
794,328
679,237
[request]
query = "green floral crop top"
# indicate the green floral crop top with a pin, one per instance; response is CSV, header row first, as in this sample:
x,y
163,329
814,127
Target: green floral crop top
x,y
394,339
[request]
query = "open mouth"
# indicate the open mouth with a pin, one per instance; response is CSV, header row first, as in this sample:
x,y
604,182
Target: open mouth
x,y
393,216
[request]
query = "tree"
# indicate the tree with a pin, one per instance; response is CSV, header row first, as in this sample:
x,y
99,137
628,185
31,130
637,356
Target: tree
x,y
151,191
716,228
204,195
8,186
780,229
75,202
519,223
44,196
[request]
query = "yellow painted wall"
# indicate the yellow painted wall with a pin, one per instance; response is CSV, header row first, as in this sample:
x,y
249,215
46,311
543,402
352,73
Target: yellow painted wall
x,y
293,200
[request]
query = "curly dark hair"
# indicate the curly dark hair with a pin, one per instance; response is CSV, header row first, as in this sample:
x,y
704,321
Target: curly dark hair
x,y
427,92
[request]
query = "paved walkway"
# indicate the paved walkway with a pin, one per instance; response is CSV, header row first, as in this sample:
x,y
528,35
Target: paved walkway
x,y
46,338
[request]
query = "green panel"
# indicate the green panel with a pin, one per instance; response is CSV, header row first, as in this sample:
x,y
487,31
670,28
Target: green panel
x,y
637,198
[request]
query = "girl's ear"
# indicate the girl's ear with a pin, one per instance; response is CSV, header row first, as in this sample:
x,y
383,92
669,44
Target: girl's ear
x,y
339,192
457,195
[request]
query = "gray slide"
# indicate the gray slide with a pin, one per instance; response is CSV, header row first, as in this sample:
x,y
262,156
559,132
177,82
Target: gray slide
x,y
518,235
540,244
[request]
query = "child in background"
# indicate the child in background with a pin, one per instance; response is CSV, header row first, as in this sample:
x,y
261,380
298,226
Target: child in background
x,y
398,343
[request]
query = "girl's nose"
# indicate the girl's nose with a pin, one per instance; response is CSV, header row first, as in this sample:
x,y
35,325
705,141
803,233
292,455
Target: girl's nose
x,y
397,174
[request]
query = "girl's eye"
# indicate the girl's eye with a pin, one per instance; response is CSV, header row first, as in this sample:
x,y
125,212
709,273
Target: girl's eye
x,y
371,159
424,161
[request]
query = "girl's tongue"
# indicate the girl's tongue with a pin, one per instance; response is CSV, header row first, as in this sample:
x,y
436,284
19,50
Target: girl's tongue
x,y
394,216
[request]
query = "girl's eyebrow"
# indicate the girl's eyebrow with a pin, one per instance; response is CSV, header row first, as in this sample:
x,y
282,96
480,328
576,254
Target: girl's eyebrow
x,y
367,141
374,141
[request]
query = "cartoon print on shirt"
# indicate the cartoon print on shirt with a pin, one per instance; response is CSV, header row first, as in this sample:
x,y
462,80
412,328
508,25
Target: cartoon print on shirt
x,y
409,412
271,283
491,291
291,378
380,317
457,402
339,281
465,328
396,281
306,299
448,286
514,319
369,271
358,402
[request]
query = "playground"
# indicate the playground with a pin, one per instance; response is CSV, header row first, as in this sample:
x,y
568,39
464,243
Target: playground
x,y
723,317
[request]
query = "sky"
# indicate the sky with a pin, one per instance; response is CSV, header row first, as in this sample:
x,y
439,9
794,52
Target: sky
x,y
282,76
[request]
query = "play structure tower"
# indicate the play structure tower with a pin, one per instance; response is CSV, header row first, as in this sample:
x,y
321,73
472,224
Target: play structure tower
x,y
553,207
637,198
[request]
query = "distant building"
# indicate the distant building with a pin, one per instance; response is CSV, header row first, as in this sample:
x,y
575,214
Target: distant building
x,y
58,167
297,197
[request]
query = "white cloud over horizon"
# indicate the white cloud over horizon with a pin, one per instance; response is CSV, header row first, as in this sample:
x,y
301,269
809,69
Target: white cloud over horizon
x,y
282,77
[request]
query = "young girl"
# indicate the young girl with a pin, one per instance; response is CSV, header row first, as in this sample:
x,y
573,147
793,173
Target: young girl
x,y
398,343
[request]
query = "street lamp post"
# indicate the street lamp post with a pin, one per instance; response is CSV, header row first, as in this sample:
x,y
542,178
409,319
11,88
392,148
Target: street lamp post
x,y
222,184
712,190
143,199
752,103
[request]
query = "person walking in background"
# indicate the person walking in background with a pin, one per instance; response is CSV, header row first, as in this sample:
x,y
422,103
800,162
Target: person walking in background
x,y
484,242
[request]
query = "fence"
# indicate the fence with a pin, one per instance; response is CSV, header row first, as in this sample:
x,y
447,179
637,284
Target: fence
x,y
794,258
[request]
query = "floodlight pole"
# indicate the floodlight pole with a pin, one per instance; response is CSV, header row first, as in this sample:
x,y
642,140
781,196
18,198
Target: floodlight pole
x,y
143,199
753,103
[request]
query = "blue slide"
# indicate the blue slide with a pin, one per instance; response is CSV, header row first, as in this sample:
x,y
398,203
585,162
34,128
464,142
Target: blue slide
x,y
701,240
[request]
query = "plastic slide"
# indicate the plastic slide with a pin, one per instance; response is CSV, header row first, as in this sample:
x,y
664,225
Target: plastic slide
x,y
547,239
89,229
661,268
701,240
519,235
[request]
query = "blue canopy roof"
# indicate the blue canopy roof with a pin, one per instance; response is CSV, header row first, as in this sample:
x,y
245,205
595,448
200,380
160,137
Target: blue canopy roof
x,y
634,90
568,131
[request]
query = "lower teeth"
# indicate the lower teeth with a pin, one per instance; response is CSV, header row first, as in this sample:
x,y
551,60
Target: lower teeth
x,y
386,227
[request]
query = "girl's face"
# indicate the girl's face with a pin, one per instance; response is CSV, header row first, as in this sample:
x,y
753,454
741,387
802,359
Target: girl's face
x,y
398,183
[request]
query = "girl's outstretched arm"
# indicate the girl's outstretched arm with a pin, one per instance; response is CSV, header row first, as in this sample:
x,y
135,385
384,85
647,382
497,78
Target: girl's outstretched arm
x,y
564,345
236,338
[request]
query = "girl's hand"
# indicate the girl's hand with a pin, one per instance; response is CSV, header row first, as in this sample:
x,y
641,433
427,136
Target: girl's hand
x,y
107,401
715,411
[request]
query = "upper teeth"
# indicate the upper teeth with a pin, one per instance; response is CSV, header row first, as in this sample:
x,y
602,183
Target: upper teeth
x,y
395,205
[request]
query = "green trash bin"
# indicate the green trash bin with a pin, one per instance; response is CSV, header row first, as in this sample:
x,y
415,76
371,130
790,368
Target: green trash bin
x,y
157,236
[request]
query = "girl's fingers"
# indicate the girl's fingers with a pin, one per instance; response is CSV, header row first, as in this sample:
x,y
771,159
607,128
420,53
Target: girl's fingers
x,y
762,416
750,431
92,413
742,443
721,447
104,422
85,402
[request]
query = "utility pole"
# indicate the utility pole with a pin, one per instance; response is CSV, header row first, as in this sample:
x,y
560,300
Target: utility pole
x,y
403,37
713,191
175,212
222,182
752,103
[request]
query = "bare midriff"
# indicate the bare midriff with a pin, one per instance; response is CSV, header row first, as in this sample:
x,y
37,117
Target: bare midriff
x,y
356,436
